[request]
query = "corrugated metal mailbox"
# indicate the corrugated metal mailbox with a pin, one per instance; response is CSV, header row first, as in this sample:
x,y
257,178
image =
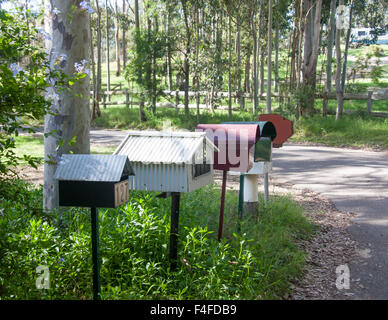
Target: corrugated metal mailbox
x,y
169,162
93,181
240,145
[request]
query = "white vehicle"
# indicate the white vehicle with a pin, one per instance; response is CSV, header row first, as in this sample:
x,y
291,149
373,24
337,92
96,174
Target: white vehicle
x,y
364,35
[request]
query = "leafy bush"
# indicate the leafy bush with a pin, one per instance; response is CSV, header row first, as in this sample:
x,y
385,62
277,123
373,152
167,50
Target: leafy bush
x,y
22,79
257,263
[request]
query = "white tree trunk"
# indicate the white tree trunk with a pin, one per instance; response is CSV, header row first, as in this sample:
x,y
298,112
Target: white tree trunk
x,y
69,44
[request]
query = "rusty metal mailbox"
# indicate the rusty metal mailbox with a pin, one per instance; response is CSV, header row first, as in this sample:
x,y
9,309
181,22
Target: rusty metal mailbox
x,y
239,145
93,181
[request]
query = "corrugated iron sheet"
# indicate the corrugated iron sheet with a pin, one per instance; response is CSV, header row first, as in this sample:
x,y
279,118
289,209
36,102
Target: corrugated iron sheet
x,y
159,177
162,147
93,167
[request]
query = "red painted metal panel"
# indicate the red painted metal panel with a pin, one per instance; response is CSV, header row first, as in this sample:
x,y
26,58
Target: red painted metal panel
x,y
235,143
284,128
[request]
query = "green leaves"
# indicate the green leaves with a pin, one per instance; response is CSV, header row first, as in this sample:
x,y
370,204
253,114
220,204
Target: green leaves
x,y
134,248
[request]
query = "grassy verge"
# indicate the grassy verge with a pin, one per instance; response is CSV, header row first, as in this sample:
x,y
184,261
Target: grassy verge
x,y
258,263
350,131
33,146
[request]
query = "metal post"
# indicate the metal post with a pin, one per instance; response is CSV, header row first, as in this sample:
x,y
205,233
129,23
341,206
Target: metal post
x,y
240,202
175,199
95,254
221,221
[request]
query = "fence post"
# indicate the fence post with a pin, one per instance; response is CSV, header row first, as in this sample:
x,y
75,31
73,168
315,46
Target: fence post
x,y
370,101
104,100
176,99
127,98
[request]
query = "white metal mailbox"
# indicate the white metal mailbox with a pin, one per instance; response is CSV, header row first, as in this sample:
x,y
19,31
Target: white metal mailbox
x,y
168,161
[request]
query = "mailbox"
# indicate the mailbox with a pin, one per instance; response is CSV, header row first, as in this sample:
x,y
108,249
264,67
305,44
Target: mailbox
x,y
93,180
168,161
248,142
284,128
86,180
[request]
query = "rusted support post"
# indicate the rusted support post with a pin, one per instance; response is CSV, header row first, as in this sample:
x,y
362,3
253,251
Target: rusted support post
x,y
223,189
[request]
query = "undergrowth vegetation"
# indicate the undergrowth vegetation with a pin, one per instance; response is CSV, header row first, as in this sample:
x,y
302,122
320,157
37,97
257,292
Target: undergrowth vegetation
x,y
257,263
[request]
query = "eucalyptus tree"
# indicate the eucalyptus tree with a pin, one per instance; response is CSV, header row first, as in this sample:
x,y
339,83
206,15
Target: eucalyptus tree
x,y
312,29
330,42
67,23
340,77
269,65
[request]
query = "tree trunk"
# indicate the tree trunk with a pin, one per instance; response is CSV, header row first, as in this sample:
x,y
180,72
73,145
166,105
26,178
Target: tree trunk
x,y
69,43
328,86
310,53
186,67
269,58
124,40
341,76
95,109
238,51
99,53
277,58
107,48
117,40
262,52
254,68
142,116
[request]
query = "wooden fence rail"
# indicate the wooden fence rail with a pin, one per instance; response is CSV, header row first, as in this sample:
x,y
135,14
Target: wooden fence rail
x,y
370,96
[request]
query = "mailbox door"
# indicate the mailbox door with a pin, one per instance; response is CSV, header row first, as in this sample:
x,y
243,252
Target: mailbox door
x,y
121,191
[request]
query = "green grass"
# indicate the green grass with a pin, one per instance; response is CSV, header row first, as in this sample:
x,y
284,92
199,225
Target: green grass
x,y
33,146
350,131
258,263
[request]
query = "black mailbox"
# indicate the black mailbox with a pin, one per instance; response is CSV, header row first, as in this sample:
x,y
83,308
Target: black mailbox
x,y
93,180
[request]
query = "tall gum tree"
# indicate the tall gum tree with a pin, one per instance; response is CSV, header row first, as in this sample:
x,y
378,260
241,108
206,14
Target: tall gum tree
x,y
68,26
312,31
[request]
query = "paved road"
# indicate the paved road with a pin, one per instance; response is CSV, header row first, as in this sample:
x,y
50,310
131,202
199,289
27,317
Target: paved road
x,y
356,181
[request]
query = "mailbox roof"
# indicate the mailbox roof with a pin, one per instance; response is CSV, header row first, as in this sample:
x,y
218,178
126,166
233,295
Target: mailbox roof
x,y
93,167
162,147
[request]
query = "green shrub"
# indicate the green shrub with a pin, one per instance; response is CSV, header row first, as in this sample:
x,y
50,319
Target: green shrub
x,y
257,263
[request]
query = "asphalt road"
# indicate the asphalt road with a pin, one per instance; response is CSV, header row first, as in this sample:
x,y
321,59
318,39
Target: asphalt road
x,y
356,181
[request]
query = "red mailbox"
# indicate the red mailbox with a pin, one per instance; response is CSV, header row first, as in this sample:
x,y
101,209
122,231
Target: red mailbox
x,y
284,128
238,144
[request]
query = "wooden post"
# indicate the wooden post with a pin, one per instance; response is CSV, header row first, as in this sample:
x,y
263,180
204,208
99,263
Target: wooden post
x,y
175,199
221,220
104,100
95,254
370,101
127,98
176,99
